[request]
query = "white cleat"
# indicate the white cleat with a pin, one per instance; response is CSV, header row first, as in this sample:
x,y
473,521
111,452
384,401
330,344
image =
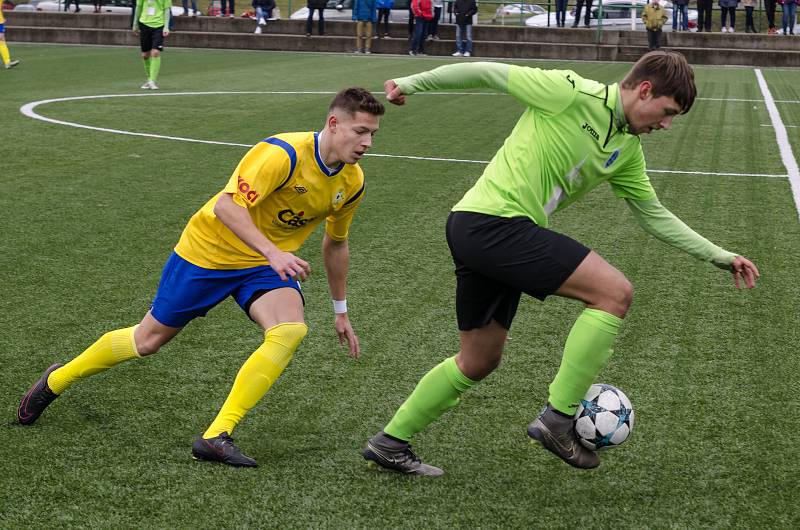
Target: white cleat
x,y
152,85
146,85
458,54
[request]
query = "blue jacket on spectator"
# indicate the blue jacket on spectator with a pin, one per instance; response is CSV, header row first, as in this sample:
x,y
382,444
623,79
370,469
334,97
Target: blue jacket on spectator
x,y
365,10
384,4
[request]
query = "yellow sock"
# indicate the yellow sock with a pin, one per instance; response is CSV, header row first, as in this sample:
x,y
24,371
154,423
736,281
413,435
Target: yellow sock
x,y
4,52
112,348
257,375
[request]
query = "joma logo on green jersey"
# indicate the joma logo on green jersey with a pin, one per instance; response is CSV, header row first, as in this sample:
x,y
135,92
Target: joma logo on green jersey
x,y
588,128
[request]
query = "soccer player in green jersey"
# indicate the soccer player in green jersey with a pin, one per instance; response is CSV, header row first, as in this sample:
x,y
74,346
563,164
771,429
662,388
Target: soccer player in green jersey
x,y
151,23
574,135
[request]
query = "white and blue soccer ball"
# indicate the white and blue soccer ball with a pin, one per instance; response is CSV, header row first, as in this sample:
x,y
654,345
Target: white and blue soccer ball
x,y
604,418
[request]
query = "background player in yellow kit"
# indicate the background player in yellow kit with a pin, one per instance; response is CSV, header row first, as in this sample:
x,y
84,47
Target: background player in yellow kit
x,y
241,244
7,62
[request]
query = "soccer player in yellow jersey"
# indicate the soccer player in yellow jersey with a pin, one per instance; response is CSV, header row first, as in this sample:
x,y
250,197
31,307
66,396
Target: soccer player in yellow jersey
x,y
241,243
7,62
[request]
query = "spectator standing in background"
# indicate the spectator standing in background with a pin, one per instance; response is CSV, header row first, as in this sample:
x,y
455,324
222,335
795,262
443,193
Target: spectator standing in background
x,y
423,14
384,10
230,11
704,14
318,5
464,10
789,11
769,7
728,7
580,4
410,22
365,16
66,6
680,9
433,26
654,18
561,12
185,6
749,7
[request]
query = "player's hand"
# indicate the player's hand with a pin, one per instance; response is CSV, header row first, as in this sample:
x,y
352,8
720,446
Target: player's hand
x,y
165,33
345,332
136,32
288,265
744,269
393,92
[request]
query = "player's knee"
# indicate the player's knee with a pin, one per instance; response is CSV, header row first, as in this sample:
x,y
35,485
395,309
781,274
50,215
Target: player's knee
x,y
626,294
621,297
289,334
149,344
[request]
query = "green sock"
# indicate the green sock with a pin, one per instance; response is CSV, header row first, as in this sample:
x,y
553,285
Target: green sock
x,y
438,391
155,66
587,349
147,67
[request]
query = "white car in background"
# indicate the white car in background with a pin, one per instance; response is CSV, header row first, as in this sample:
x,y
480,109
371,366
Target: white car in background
x,y
516,13
616,15
118,6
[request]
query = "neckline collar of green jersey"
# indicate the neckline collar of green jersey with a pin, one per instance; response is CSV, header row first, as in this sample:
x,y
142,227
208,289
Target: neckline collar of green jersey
x,y
614,103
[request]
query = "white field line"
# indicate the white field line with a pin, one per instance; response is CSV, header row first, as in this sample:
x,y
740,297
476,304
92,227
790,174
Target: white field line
x,y
29,110
785,148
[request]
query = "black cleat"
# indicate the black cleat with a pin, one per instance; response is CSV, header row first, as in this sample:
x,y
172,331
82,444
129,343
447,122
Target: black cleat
x,y
557,435
396,456
221,449
36,399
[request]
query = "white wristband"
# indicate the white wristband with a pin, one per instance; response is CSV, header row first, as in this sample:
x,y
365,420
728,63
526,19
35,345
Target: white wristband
x,y
340,306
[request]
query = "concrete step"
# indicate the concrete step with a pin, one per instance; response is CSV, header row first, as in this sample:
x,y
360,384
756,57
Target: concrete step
x,y
490,41
327,43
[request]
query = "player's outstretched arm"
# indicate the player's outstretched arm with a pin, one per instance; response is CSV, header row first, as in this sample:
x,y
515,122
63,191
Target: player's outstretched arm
x,y
337,260
238,220
656,220
493,76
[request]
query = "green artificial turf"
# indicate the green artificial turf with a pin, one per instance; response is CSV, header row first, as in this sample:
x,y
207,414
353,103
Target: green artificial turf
x,y
88,218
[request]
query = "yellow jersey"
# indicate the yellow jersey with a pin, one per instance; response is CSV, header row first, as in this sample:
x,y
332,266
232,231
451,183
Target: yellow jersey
x,y
288,190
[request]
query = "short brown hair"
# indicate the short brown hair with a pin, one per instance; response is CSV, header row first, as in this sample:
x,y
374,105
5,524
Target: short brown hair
x,y
357,99
669,74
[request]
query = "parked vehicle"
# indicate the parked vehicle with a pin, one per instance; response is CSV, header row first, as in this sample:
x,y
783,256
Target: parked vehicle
x,y
616,15
112,6
516,13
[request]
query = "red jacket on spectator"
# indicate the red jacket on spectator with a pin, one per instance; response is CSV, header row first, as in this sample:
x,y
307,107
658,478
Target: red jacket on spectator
x,y
422,9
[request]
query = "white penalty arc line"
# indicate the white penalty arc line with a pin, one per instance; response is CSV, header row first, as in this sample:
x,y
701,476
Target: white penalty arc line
x,y
29,110
782,137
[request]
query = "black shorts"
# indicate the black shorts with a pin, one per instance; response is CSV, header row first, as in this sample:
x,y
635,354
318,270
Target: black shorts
x,y
498,258
151,38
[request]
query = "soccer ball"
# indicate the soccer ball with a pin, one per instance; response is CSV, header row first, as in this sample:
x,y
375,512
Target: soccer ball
x,y
604,418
